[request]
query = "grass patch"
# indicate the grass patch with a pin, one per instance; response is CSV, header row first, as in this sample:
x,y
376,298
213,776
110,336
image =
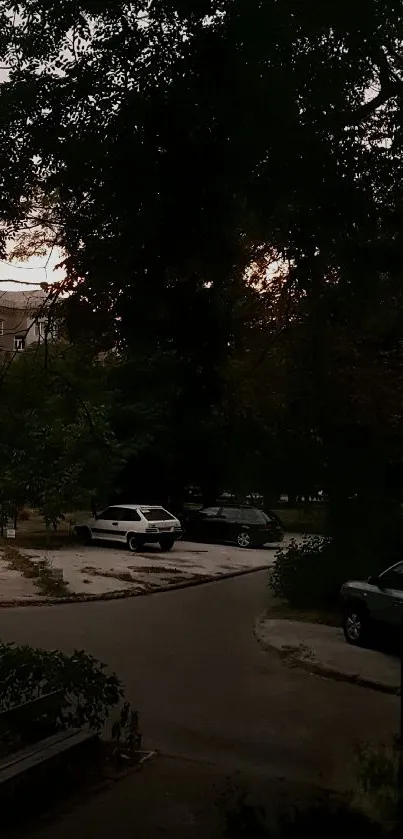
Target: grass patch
x,y
325,616
41,539
42,573
304,519
32,531
38,540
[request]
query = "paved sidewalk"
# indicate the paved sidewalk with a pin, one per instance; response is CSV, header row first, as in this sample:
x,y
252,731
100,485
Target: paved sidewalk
x,y
323,650
102,571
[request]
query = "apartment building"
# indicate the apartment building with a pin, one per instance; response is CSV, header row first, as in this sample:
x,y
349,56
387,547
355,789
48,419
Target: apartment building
x,y
22,319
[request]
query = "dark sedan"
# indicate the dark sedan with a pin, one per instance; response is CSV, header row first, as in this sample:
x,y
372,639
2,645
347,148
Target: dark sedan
x,y
246,526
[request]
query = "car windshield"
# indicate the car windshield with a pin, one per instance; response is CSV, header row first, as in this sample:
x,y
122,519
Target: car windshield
x,y
156,514
393,577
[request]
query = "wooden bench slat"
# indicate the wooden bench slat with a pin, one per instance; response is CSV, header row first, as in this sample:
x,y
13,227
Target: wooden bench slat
x,y
21,754
27,759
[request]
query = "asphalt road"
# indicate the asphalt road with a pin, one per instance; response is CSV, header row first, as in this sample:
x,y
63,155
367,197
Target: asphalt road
x,y
206,690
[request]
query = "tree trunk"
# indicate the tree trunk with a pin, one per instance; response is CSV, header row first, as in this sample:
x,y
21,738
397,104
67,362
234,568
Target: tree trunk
x,y
48,535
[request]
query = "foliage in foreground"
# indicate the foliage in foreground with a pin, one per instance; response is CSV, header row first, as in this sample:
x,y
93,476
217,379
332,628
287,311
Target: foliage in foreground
x,y
303,574
90,693
245,820
371,809
311,573
377,790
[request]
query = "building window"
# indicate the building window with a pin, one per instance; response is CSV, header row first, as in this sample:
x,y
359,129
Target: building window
x,y
19,343
1,327
38,329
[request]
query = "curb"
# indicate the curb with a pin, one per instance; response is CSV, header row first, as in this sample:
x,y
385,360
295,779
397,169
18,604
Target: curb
x,y
147,755
322,670
126,595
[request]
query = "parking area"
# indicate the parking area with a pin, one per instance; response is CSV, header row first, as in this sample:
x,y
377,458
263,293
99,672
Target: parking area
x,y
102,570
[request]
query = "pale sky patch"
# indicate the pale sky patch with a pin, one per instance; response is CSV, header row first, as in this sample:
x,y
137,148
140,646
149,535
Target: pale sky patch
x,y
36,270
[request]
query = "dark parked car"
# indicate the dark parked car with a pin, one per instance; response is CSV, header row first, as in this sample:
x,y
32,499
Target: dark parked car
x,y
246,526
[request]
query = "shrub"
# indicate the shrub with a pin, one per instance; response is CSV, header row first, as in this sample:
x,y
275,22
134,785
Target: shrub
x,y
306,574
311,573
90,693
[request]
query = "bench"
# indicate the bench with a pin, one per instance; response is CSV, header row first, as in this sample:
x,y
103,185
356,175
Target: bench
x,y
21,719
29,722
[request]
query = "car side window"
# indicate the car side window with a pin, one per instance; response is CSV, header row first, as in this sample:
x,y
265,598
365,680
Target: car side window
x,y
108,514
131,515
252,517
118,514
122,514
125,514
393,578
229,514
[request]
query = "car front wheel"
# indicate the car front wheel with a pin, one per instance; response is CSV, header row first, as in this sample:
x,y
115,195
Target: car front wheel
x,y
84,534
243,539
133,543
355,625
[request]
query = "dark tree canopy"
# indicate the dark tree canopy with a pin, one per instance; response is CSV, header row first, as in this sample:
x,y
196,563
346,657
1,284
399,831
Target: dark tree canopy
x,y
178,138
170,146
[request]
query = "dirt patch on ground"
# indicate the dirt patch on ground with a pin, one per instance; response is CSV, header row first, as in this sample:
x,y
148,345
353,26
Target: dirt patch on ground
x,y
153,569
294,654
125,576
48,581
183,562
90,572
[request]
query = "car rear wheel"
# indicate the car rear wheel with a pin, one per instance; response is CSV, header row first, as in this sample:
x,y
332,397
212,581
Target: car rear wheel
x,y
167,544
355,625
133,543
84,534
243,539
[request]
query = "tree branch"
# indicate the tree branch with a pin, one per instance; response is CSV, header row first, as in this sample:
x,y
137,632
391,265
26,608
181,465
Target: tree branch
x,y
390,86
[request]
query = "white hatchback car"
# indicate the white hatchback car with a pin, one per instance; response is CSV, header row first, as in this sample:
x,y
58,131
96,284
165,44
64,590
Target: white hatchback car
x,y
134,525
